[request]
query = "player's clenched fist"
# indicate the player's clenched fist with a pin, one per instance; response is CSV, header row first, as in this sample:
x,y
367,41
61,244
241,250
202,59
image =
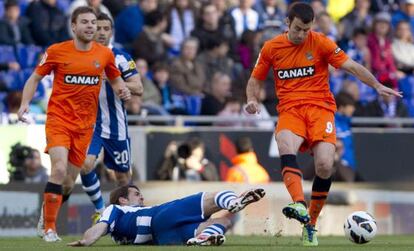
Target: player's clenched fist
x,y
24,109
125,94
252,107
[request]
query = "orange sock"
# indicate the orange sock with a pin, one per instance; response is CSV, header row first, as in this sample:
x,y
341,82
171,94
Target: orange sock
x,y
52,203
292,177
320,190
316,204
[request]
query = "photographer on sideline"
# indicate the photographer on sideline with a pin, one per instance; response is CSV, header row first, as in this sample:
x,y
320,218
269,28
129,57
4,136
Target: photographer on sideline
x,y
25,165
186,161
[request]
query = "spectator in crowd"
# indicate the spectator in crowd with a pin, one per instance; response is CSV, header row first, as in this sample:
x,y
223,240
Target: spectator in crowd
x,y
248,48
245,17
150,44
187,75
326,26
125,32
209,27
382,63
115,6
387,107
187,161
134,107
271,17
226,22
404,13
182,16
171,101
403,48
318,6
231,111
151,98
215,99
351,88
358,50
48,23
345,108
14,29
358,18
26,165
246,168
215,58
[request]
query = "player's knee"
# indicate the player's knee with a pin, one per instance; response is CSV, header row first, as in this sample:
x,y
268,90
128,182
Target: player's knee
x,y
284,146
87,166
59,170
324,167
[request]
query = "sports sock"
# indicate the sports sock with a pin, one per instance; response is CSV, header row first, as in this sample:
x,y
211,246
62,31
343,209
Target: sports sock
x,y
320,190
92,186
292,177
214,229
52,198
223,199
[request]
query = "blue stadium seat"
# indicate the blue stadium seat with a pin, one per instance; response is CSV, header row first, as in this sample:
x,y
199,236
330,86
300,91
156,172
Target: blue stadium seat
x,y
7,54
23,5
1,8
63,5
12,80
28,55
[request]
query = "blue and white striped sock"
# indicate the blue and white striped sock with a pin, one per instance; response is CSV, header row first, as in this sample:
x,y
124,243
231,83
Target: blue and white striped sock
x,y
214,229
92,186
224,198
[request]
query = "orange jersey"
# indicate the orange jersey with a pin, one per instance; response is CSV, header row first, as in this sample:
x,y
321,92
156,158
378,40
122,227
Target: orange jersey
x,y
77,81
300,71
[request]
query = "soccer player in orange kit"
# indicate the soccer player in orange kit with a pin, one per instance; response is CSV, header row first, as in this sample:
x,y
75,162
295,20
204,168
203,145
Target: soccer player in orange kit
x,y
78,66
300,59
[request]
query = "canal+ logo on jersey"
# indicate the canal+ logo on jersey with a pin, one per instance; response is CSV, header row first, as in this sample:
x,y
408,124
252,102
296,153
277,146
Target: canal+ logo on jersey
x,y
296,72
81,80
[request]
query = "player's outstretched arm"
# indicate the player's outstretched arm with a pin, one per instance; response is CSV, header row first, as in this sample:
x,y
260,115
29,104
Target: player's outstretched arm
x,y
91,235
365,76
253,93
120,88
134,84
29,89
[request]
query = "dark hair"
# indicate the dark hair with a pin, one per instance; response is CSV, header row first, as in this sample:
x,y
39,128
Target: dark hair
x,y
154,17
105,17
303,11
160,66
244,145
359,31
10,3
81,10
120,192
344,99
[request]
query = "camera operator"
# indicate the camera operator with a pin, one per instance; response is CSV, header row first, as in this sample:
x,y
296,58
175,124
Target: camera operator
x,y
187,162
26,165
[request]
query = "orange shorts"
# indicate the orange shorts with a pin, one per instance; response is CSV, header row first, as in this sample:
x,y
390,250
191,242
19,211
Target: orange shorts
x,y
311,122
77,142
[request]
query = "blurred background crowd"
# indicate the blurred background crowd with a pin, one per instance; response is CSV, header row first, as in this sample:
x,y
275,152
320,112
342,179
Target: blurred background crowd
x,y
195,56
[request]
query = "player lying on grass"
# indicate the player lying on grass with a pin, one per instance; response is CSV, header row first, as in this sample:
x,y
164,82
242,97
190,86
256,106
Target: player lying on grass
x,y
182,221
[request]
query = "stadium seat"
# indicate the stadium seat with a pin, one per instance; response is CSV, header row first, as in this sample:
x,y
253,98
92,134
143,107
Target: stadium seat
x,y
1,9
28,55
7,54
63,5
12,80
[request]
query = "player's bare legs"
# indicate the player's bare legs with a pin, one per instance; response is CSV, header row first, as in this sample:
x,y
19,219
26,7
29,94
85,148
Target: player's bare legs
x,y
289,144
53,192
324,158
211,232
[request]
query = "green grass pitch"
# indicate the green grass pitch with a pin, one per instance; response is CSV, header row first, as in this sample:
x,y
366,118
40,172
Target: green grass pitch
x,y
239,243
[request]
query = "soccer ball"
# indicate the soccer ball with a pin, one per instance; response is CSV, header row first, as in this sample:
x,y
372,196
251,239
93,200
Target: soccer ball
x,y
360,227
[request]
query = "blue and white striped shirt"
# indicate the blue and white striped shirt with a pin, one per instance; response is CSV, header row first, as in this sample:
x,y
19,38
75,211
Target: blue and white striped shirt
x,y
111,122
129,224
